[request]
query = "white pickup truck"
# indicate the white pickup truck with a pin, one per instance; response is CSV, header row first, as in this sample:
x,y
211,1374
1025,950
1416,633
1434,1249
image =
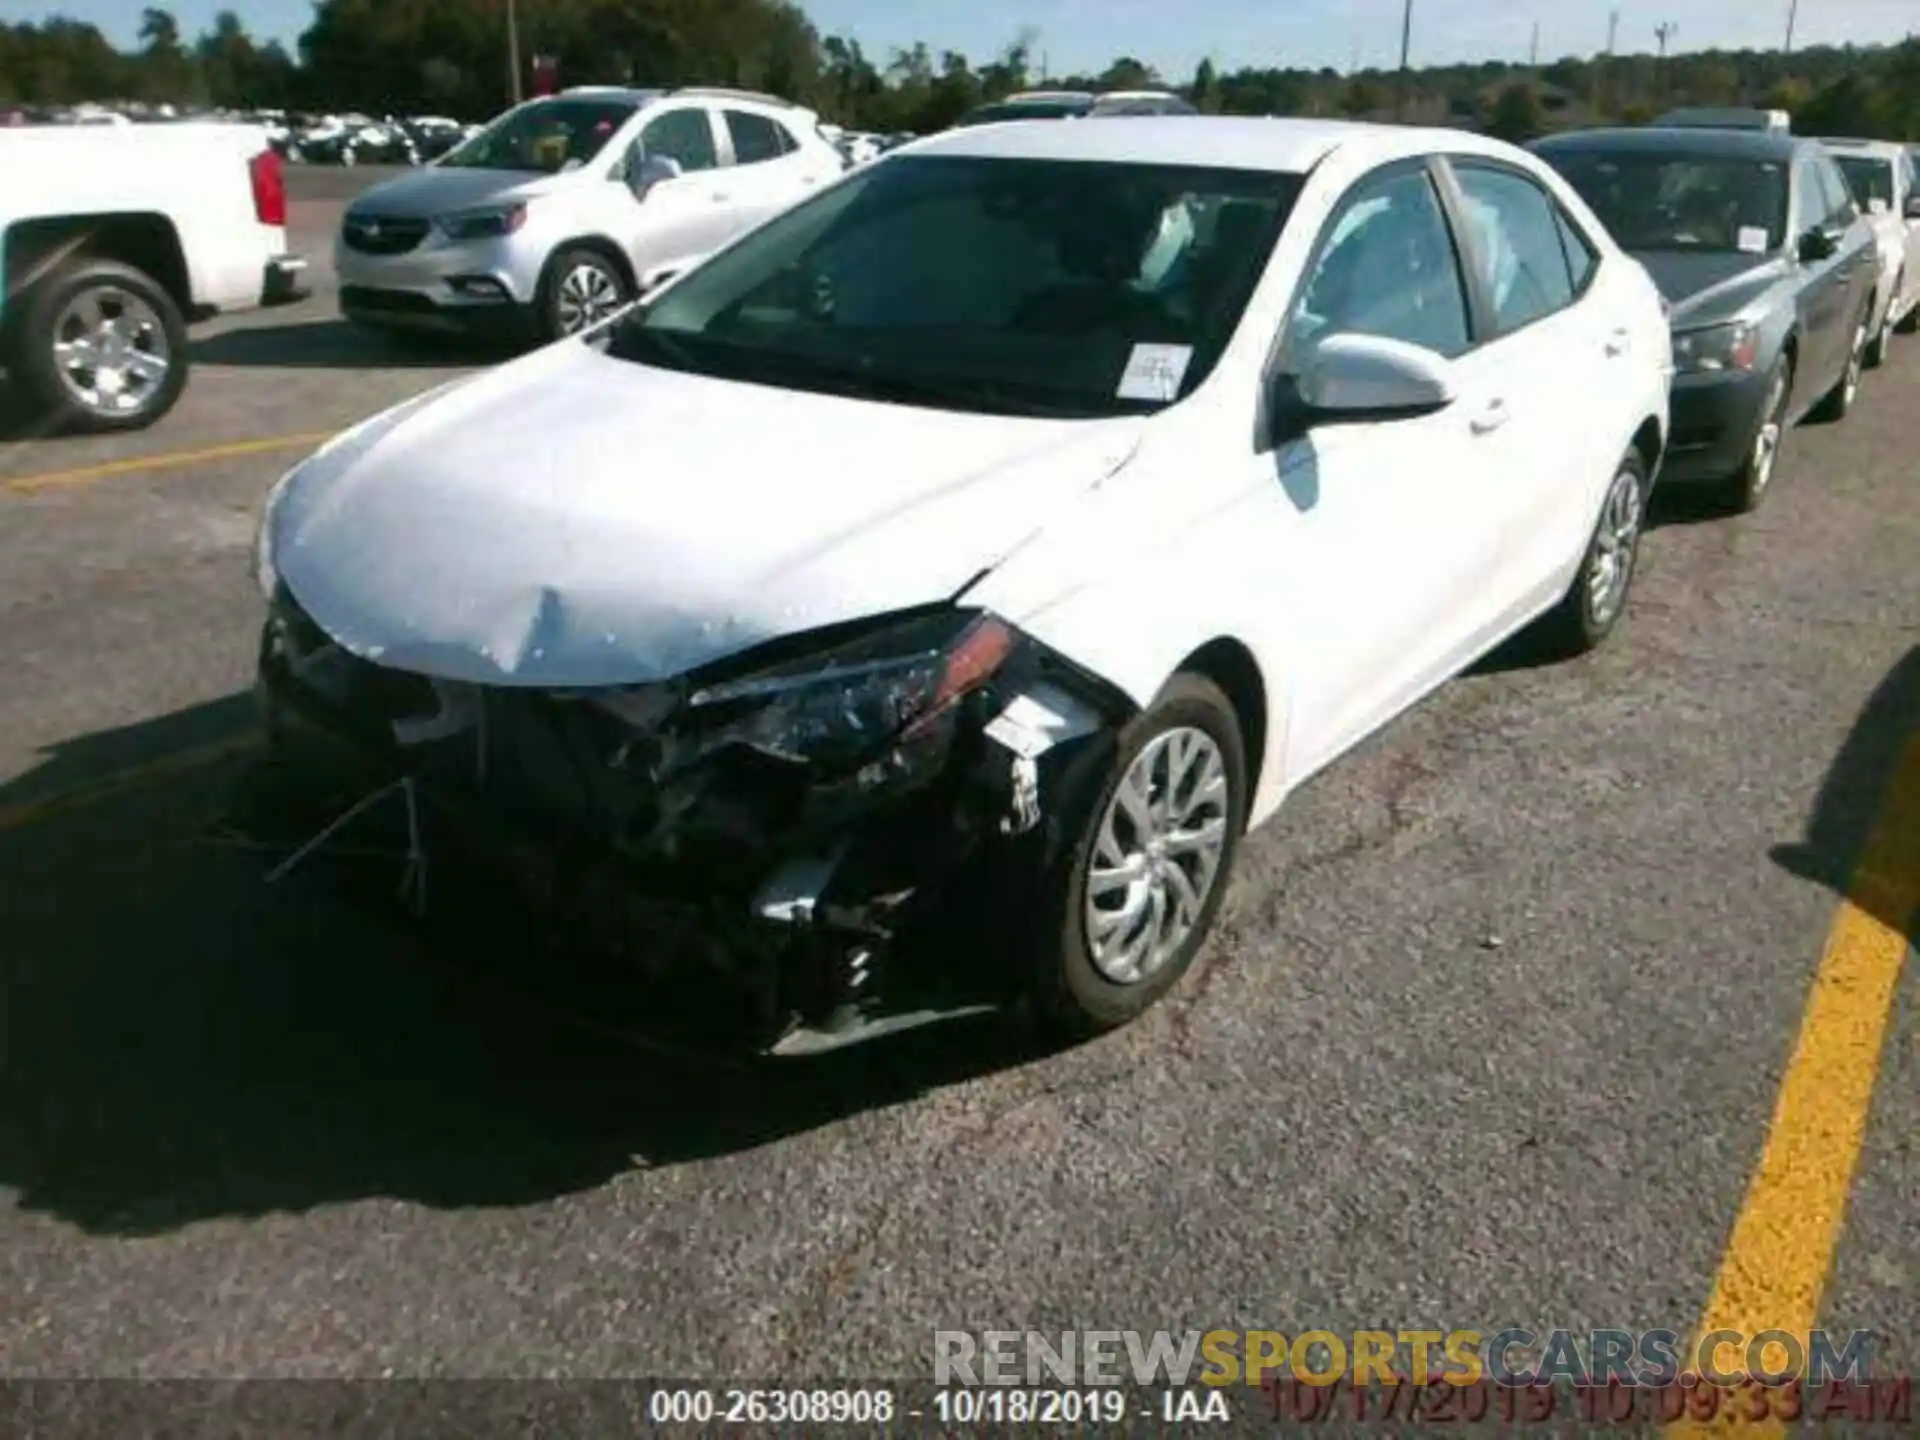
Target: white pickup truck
x,y
111,239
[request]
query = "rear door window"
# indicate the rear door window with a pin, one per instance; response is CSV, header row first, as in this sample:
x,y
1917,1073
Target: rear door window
x,y
757,138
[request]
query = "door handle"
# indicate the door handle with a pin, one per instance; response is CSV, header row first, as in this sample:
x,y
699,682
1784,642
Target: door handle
x,y
720,197
1619,341
1491,418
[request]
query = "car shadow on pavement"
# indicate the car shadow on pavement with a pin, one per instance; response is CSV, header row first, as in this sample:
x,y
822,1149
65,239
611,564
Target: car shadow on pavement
x,y
336,345
1856,790
180,1041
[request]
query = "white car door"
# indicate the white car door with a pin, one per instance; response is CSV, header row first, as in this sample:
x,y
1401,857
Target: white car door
x,y
769,167
1396,523
1565,364
682,218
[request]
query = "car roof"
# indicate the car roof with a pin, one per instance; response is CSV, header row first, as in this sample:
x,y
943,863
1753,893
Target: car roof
x,y
1683,139
1291,146
1855,145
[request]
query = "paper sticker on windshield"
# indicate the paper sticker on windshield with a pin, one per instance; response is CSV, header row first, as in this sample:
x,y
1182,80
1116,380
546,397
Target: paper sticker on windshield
x,y
1154,372
1752,239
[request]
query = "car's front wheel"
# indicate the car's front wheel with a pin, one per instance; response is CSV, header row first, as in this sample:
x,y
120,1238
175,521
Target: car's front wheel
x,y
1837,402
1138,891
582,288
1747,486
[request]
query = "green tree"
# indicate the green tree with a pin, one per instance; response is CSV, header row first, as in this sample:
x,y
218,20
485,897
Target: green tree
x,y
1206,94
1362,96
1849,105
1515,115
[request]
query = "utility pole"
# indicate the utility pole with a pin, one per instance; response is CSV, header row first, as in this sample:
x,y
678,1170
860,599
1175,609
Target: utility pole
x,y
1533,49
1613,30
1664,32
1793,10
1406,41
513,51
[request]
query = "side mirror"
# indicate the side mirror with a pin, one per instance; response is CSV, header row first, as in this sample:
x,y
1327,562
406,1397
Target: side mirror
x,y
1369,377
1817,245
650,171
1876,205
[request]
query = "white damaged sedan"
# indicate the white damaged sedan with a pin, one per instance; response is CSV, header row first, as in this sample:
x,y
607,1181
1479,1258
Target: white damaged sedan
x,y
989,540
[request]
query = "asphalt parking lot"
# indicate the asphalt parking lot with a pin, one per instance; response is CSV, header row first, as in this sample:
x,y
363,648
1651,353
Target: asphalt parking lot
x,y
1500,1013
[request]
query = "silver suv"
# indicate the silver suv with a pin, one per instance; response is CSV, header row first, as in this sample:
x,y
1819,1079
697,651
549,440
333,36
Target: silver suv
x,y
567,207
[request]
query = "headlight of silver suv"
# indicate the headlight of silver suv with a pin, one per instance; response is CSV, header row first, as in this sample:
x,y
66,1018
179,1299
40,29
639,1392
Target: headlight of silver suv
x,y
1718,348
485,224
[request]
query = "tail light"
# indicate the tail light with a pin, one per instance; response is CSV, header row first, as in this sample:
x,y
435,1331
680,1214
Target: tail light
x,y
269,177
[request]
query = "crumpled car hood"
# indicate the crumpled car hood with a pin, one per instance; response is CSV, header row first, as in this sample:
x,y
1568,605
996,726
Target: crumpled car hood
x,y
574,520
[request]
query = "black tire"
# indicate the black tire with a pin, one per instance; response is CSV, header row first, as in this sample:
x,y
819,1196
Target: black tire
x,y
1837,403
48,312
1748,485
556,292
1073,998
1909,322
1581,622
1875,354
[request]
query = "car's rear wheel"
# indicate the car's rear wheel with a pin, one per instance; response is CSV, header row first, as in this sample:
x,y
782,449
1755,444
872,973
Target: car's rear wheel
x,y
102,347
581,289
1747,486
1910,321
1597,598
1138,891
1838,401
1875,354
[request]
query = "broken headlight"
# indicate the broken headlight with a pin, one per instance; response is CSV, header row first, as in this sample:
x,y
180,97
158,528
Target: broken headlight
x,y
839,705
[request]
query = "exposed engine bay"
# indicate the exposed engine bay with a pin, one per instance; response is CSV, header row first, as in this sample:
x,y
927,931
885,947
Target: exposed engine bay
x,y
780,835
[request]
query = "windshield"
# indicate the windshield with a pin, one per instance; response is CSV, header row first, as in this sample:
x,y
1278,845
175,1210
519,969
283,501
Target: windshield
x,y
1662,201
547,136
1026,110
1026,287
1869,177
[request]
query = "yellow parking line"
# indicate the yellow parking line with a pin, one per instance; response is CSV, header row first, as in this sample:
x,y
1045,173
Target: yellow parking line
x,y
12,817
178,460
1777,1260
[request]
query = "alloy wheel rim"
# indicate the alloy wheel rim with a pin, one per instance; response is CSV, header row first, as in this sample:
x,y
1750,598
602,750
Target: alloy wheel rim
x,y
587,295
1157,855
1614,546
1766,445
110,351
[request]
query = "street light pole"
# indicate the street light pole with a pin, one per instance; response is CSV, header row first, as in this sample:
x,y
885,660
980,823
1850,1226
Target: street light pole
x,y
1793,10
513,51
1406,39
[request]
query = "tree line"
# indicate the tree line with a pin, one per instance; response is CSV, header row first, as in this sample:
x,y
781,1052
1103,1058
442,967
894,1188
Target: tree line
x,y
450,57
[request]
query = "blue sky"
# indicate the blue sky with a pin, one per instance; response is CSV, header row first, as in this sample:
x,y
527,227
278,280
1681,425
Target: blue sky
x,y
1175,34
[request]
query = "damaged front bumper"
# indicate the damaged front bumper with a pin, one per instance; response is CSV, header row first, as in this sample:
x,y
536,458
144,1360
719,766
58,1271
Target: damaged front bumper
x,y
800,885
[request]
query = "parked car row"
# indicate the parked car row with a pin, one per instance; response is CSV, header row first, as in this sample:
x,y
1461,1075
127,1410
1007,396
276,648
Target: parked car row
x,y
806,596
1785,268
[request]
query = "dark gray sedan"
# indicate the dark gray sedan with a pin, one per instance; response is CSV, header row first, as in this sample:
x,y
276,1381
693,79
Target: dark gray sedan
x,y
1769,267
